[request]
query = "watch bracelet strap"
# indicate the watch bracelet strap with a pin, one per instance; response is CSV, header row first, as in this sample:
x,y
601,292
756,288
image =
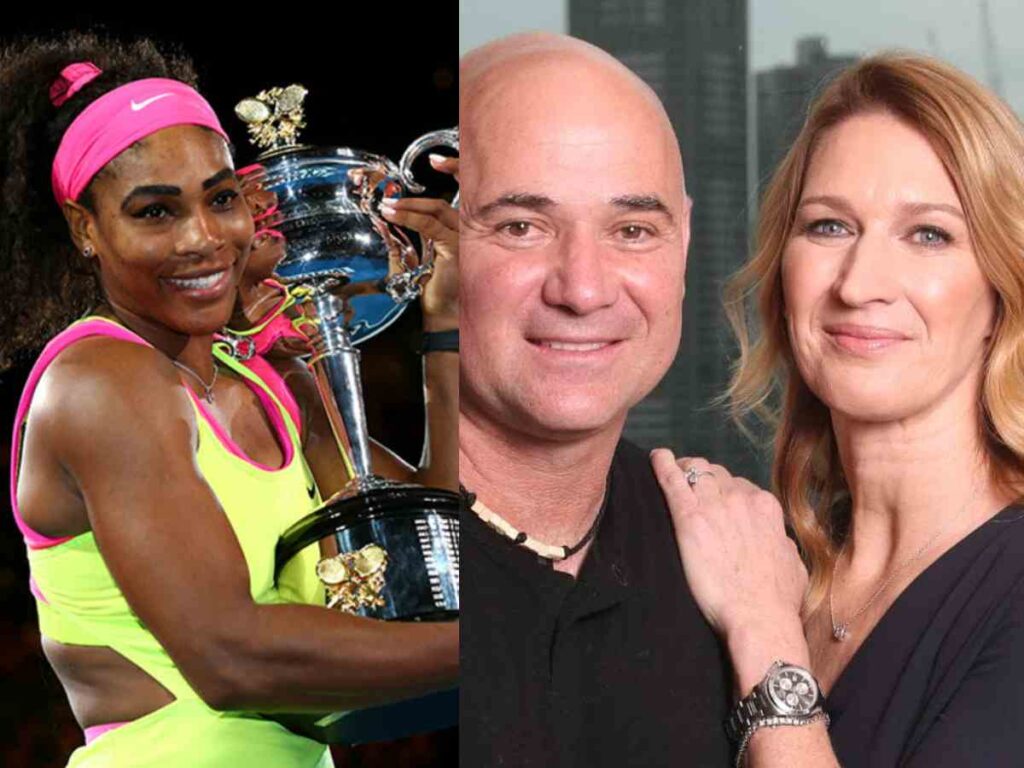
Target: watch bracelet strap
x,y
440,341
757,707
774,722
749,710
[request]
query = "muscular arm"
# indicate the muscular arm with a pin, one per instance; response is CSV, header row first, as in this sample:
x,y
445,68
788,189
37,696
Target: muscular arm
x,y
128,441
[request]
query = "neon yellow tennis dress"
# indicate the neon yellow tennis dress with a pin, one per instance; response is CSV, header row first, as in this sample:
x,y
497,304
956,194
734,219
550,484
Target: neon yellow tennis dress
x,y
80,603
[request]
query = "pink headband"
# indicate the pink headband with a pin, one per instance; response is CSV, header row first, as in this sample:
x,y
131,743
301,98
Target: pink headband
x,y
115,121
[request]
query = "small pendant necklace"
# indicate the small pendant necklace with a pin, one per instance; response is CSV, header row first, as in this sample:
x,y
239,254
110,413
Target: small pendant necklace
x,y
207,395
207,388
841,630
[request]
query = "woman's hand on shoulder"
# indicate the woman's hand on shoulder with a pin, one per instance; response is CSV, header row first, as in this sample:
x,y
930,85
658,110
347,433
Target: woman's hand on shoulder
x,y
741,566
743,570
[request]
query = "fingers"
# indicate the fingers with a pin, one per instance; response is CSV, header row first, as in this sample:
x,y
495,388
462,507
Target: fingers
x,y
762,504
267,234
290,347
262,202
268,245
427,206
263,205
672,479
694,482
429,217
444,164
706,479
424,207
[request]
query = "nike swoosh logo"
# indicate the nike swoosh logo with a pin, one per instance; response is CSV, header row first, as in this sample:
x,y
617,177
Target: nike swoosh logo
x,y
137,105
311,490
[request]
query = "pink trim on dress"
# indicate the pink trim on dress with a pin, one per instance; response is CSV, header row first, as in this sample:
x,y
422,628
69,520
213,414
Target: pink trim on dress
x,y
275,383
67,337
284,440
93,732
33,587
108,328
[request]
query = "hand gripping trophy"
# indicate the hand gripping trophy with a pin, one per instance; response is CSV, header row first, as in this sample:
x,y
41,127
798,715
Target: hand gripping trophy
x,y
387,550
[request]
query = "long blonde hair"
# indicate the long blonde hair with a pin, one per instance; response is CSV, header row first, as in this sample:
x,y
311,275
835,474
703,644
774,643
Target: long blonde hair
x,y
981,144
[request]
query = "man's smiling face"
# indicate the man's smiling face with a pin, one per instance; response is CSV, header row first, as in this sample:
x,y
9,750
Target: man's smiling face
x,y
574,232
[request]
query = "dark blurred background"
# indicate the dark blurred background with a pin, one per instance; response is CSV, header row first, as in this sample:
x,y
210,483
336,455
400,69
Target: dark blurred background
x,y
378,76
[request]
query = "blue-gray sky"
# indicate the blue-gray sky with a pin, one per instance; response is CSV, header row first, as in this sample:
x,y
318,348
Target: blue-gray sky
x,y
950,29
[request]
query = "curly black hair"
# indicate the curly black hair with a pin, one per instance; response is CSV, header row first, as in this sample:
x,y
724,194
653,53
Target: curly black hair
x,y
47,282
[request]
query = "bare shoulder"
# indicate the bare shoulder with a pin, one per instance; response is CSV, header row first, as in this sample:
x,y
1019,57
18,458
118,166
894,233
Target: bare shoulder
x,y
103,389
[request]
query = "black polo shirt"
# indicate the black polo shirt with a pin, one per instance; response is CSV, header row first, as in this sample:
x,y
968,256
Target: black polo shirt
x,y
614,668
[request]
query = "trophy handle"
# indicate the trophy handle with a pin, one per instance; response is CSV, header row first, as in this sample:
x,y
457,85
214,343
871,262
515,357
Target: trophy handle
x,y
408,270
408,284
447,137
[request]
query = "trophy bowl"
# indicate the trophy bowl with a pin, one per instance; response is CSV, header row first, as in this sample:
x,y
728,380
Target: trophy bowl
x,y
328,211
327,198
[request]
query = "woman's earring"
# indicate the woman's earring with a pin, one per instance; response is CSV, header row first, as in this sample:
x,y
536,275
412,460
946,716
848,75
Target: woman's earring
x,y
88,252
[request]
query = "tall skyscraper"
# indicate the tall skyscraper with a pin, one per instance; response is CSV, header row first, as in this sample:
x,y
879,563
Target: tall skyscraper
x,y
783,95
693,53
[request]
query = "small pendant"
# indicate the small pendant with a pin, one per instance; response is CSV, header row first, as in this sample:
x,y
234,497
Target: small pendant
x,y
840,632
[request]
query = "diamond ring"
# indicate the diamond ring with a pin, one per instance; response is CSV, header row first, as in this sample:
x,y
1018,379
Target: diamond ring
x,y
693,474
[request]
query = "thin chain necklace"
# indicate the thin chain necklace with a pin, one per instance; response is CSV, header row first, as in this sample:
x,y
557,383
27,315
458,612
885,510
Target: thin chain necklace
x,y
506,529
841,630
207,388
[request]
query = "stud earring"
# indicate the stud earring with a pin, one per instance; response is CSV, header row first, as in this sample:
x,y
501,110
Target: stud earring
x,y
88,252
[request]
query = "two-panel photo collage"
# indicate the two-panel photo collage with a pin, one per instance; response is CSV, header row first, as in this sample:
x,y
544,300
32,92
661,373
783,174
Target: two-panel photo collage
x,y
556,384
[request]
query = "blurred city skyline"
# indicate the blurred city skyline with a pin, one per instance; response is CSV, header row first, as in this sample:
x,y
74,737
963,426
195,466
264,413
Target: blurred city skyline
x,y
953,31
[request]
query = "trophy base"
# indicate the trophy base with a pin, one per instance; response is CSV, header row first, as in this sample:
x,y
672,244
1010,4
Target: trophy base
x,y
418,530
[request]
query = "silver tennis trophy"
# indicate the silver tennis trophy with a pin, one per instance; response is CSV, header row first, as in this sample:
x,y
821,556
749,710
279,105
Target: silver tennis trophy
x,y
387,550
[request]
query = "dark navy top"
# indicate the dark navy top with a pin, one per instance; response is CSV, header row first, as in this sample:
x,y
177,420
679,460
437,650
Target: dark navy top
x,y
940,680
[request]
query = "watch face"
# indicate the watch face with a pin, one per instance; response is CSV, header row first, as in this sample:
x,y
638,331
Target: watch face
x,y
792,690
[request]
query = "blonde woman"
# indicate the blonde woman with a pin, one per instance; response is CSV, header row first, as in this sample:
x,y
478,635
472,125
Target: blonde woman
x,y
889,284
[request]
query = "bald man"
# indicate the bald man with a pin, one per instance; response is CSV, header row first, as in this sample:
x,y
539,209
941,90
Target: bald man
x,y
581,644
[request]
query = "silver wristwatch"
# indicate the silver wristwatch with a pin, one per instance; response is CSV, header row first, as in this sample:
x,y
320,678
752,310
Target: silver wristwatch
x,y
788,695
